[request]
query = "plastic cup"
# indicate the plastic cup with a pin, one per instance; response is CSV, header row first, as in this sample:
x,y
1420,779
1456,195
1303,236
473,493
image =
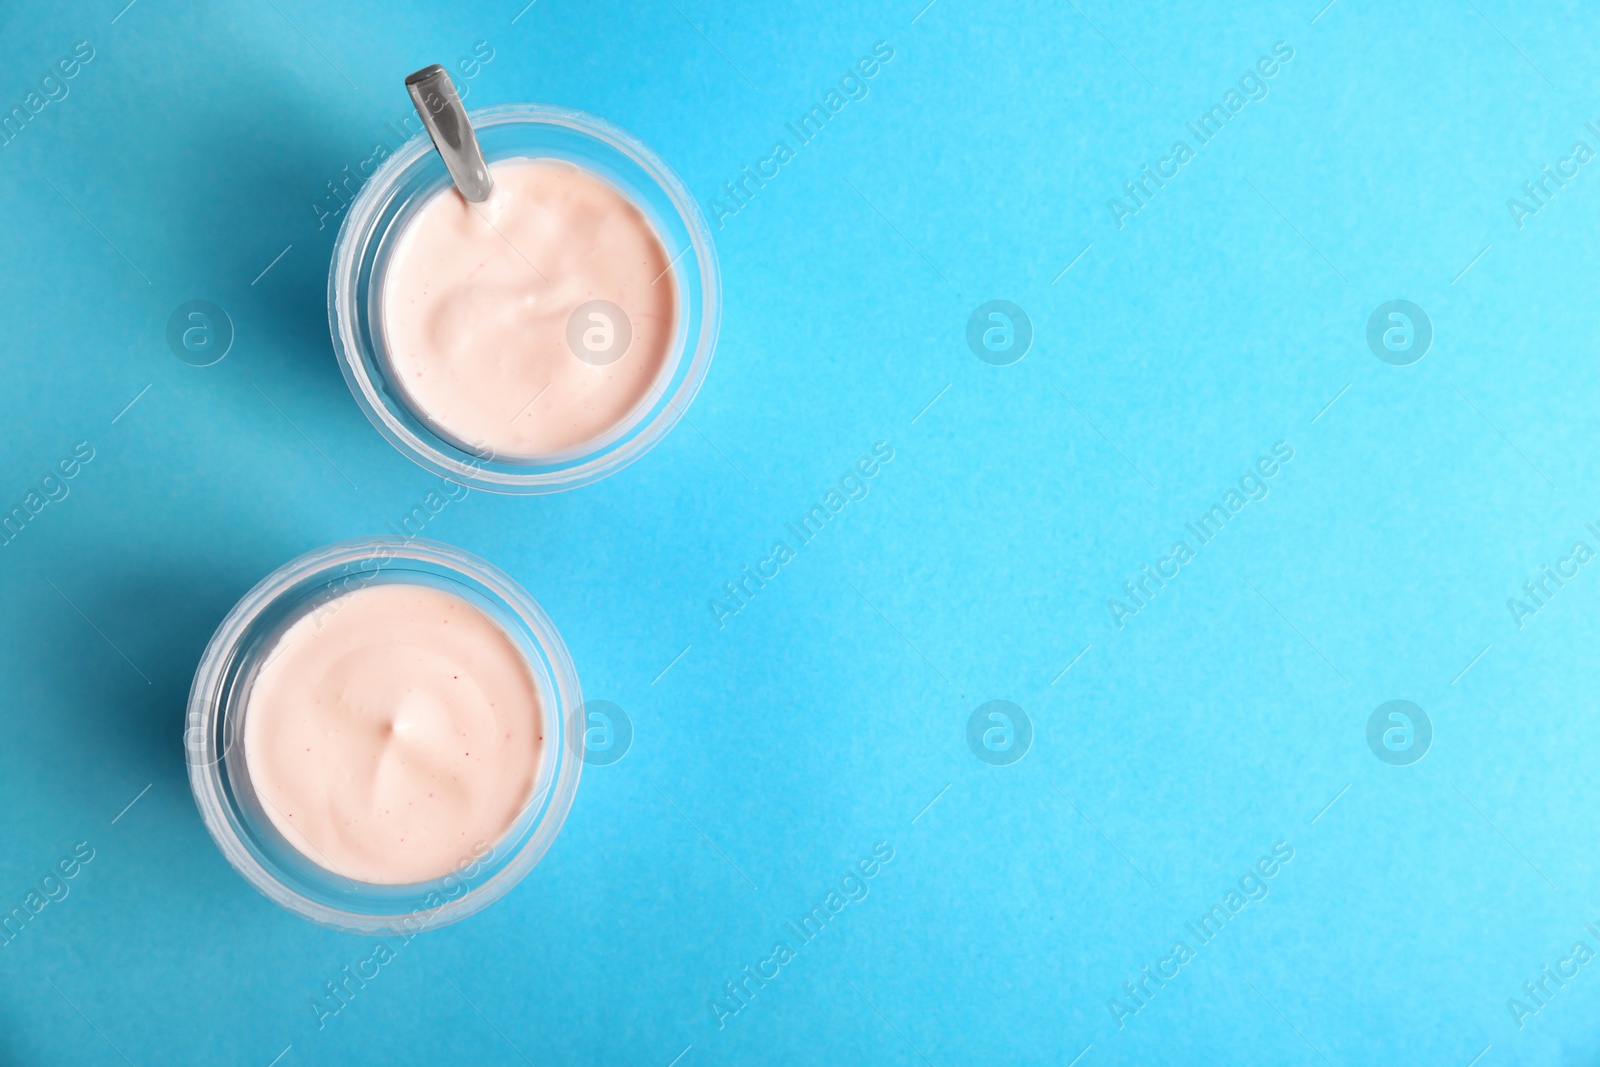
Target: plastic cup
x,y
219,774
399,189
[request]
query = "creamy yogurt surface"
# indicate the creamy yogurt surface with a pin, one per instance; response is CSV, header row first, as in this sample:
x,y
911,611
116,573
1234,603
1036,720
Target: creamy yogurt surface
x,y
392,732
532,323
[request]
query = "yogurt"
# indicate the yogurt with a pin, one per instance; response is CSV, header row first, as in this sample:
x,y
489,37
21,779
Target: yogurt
x,y
535,322
393,733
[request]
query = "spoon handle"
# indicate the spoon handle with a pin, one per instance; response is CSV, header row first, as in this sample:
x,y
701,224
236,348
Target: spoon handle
x,y
434,95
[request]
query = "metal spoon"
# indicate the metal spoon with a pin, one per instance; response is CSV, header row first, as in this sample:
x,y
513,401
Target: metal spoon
x,y
434,94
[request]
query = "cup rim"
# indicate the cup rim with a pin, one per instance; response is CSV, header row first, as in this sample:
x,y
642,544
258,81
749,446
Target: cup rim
x,y
572,469
206,703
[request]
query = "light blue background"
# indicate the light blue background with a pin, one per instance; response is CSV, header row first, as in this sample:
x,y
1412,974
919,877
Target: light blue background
x,y
823,718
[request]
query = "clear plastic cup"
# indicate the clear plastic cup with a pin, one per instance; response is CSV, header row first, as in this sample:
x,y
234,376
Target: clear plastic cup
x,y
399,189
219,774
